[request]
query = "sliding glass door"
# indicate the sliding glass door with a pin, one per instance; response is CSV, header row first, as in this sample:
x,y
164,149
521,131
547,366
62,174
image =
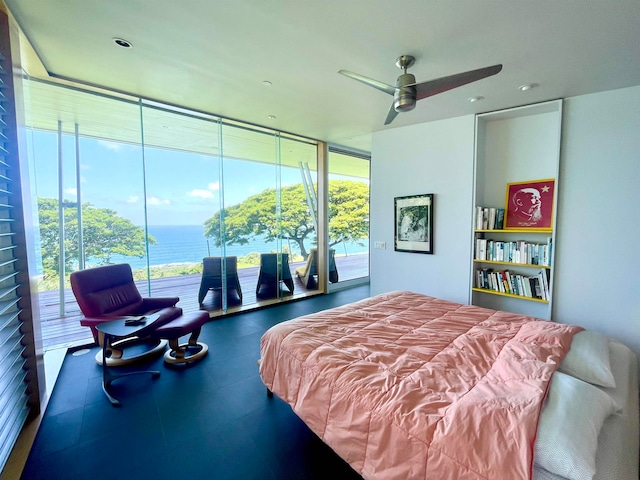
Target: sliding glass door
x,y
348,214
182,188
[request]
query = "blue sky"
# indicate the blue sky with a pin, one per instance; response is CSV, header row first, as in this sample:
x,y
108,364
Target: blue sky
x,y
182,188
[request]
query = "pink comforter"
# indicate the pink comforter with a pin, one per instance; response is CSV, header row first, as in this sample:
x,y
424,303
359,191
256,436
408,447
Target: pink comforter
x,y
406,386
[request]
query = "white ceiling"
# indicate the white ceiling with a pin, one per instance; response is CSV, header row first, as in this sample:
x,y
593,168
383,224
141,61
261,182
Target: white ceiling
x,y
213,56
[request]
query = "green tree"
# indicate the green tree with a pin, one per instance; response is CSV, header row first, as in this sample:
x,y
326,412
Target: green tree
x,y
104,234
348,210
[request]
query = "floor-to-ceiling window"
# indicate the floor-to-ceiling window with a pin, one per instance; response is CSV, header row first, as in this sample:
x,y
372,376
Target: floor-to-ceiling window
x,y
84,179
182,188
348,213
119,180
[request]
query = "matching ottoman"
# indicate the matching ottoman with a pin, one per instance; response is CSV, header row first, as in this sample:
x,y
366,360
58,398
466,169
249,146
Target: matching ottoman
x,y
188,323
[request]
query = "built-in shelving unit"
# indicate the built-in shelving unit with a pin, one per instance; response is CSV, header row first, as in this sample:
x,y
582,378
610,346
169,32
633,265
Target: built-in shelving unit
x,y
516,145
506,265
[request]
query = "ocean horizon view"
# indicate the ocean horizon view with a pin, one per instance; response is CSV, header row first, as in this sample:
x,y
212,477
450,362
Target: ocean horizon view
x,y
178,244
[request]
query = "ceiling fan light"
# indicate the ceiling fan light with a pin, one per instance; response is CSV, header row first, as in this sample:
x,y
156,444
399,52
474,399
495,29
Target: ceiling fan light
x,y
475,99
406,91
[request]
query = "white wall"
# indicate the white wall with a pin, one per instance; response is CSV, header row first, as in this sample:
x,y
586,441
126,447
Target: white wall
x,y
435,157
597,270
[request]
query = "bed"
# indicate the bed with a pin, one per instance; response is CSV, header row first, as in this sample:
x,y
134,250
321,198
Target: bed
x,y
404,386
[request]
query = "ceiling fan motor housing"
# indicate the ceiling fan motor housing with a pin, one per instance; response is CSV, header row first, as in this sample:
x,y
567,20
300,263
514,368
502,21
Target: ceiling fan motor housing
x,y
404,98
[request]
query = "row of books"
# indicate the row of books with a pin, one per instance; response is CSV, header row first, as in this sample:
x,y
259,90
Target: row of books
x,y
489,218
533,286
515,251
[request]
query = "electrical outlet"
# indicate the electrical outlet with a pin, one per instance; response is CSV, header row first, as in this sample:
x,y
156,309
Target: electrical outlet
x,y
380,245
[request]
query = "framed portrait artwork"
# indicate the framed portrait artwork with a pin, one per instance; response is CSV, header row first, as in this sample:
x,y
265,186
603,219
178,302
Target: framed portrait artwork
x,y
413,230
529,205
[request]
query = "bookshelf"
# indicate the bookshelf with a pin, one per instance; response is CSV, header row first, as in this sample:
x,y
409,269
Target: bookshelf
x,y
507,264
516,145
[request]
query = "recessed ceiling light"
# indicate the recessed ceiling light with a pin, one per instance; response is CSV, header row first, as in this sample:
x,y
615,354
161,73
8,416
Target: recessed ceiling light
x,y
271,117
266,83
121,42
527,86
475,99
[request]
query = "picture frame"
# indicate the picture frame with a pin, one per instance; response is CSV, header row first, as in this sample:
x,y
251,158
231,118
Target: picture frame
x,y
529,205
413,223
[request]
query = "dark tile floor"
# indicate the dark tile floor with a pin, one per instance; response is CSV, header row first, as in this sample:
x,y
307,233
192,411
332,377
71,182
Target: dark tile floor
x,y
211,420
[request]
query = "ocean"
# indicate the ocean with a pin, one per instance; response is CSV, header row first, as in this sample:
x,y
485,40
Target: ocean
x,y
187,244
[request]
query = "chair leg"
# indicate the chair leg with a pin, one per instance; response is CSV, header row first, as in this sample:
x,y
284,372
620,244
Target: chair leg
x,y
117,355
111,351
309,281
193,338
178,353
202,293
289,283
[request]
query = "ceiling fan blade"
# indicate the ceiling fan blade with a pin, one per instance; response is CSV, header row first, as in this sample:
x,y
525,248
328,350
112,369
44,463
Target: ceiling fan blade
x,y
369,81
439,85
391,115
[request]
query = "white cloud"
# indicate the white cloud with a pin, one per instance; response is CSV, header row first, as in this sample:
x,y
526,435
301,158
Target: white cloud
x,y
201,193
133,199
157,201
116,147
71,191
207,194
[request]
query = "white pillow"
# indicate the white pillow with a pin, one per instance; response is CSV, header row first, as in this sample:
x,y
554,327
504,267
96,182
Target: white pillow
x,y
588,359
569,425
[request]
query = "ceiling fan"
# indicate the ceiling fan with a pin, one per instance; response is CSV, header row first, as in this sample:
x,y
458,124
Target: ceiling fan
x,y
407,91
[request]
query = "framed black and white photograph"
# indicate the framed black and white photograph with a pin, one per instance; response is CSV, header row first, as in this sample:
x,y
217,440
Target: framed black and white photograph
x,y
413,223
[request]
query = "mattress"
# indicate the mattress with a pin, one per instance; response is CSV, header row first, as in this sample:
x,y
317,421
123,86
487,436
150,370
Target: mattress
x,y
395,403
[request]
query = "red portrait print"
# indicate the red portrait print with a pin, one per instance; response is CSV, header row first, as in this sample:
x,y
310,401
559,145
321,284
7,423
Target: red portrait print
x,y
530,204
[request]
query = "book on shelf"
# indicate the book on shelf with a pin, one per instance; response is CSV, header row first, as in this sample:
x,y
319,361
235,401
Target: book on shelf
x,y
546,254
478,223
520,252
504,281
489,218
501,281
481,249
508,282
544,284
499,218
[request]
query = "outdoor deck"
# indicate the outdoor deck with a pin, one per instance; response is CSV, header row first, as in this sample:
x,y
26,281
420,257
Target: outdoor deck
x,y
60,331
